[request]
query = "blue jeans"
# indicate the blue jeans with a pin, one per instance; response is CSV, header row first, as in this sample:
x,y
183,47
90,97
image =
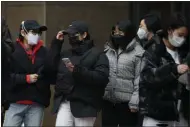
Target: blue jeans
x,y
30,115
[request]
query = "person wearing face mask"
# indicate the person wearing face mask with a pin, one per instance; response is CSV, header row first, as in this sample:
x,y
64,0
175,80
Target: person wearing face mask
x,y
149,34
29,92
149,25
81,79
121,98
159,86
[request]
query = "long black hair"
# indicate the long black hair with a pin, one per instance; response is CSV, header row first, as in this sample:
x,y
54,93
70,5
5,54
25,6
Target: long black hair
x,y
176,21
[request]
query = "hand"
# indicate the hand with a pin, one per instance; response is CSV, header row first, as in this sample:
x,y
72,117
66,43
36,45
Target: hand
x,y
133,110
70,66
182,68
33,78
60,36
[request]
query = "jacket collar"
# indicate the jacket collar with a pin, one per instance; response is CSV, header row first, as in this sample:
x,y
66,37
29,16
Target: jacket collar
x,y
35,47
129,47
21,55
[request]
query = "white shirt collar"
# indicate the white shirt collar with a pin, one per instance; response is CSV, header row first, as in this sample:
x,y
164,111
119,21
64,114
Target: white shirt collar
x,y
174,55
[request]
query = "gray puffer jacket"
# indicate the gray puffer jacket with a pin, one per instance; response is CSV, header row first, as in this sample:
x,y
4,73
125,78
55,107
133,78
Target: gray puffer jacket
x,y
125,66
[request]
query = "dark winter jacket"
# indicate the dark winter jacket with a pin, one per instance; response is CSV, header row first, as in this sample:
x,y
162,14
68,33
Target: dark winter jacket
x,y
23,64
158,84
85,86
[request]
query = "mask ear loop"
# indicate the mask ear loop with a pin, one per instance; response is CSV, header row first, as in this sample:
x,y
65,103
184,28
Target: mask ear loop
x,y
23,27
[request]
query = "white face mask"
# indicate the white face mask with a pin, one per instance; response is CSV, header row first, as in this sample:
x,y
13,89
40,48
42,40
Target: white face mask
x,y
176,41
32,39
142,34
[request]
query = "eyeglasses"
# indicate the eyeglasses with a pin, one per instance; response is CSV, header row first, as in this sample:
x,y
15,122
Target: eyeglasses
x,y
121,33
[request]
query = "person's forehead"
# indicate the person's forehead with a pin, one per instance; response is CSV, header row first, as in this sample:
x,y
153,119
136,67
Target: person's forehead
x,y
182,30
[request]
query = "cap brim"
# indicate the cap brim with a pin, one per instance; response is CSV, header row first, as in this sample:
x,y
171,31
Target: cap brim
x,y
40,28
70,30
43,28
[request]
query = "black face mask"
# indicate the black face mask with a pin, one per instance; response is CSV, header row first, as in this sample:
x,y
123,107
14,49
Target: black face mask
x,y
74,41
122,41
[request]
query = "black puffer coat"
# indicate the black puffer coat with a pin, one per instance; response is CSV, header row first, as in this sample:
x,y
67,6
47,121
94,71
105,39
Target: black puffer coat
x,y
158,84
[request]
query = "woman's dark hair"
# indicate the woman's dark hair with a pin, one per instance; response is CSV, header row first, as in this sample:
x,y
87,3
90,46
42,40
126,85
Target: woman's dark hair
x,y
152,22
176,21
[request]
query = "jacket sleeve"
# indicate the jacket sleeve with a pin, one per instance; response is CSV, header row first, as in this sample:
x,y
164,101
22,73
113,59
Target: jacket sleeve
x,y
134,101
52,60
98,76
18,78
156,76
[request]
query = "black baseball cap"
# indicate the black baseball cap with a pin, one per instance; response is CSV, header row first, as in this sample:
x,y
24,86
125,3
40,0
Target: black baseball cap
x,y
32,25
77,27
